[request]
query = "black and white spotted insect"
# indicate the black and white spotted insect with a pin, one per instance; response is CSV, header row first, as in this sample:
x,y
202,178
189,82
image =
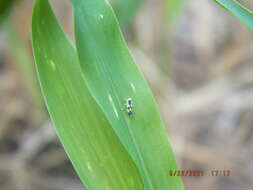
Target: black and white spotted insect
x,y
129,106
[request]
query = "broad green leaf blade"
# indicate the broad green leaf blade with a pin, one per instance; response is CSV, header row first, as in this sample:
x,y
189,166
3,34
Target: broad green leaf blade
x,y
125,10
239,11
100,159
112,77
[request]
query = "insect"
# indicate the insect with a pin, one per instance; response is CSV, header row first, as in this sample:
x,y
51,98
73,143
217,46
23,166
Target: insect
x,y
129,106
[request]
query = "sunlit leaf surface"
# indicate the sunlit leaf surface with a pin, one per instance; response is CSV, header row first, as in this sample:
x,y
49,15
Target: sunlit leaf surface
x,y
86,92
113,77
93,147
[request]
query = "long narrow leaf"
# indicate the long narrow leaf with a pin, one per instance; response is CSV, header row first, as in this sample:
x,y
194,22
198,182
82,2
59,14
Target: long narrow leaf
x,y
239,11
113,77
125,10
93,147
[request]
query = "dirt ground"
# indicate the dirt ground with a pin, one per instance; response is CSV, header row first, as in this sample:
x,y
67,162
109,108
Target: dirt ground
x,y
200,70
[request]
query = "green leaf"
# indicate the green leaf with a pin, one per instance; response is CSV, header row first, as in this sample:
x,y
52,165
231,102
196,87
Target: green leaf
x,y
93,147
125,10
239,11
108,148
112,77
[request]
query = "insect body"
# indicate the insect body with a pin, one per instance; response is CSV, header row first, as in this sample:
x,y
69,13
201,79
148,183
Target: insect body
x,y
129,106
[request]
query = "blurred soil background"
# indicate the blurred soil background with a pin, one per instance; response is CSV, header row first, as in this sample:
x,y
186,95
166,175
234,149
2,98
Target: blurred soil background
x,y
200,69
